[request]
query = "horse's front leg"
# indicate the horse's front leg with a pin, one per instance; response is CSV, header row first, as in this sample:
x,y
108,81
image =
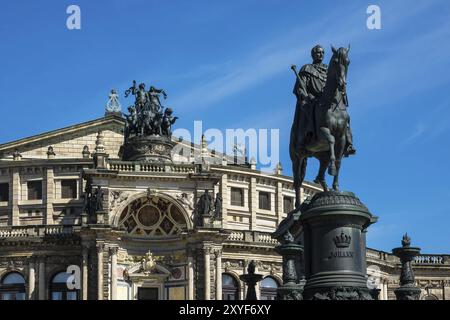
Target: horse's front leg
x,y
336,177
340,146
320,179
331,142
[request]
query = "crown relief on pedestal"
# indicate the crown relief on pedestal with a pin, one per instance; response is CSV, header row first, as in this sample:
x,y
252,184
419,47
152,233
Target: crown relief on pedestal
x,y
342,241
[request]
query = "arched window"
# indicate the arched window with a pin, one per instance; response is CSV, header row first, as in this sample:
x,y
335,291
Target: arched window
x,y
153,216
59,289
230,287
268,288
12,287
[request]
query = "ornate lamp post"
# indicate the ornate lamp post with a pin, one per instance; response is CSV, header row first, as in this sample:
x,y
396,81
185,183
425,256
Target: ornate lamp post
x,y
406,253
290,251
251,279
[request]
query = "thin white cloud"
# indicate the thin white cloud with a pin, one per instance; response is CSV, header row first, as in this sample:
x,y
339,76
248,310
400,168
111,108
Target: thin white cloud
x,y
273,58
419,130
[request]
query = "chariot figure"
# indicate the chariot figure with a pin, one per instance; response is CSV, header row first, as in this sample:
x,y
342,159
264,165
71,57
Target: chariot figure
x,y
167,121
153,95
131,124
142,97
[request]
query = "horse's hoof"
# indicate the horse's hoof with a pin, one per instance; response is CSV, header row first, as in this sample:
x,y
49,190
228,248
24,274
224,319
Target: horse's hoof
x,y
335,187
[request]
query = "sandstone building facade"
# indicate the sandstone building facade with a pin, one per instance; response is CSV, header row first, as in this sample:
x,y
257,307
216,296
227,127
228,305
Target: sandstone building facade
x,y
145,240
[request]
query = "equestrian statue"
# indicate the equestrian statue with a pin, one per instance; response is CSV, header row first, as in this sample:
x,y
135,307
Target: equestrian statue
x,y
321,126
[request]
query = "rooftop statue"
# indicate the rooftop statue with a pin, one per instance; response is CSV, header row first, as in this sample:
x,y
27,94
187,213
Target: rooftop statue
x,y
321,126
148,116
113,105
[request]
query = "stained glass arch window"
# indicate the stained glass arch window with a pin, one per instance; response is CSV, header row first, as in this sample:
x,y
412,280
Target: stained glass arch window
x,y
153,216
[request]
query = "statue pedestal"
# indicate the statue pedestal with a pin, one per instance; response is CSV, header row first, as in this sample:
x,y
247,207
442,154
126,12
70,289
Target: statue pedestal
x,y
334,225
148,149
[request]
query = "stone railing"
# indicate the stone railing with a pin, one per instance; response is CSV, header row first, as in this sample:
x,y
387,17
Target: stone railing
x,y
121,166
429,259
236,236
57,230
252,236
127,166
152,168
266,238
34,231
13,232
181,168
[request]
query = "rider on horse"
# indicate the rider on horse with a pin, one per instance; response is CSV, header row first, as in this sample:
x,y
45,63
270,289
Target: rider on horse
x,y
308,88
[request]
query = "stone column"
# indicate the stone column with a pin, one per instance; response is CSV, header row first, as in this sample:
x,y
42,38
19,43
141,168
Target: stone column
x,y
279,202
190,277
225,199
42,280
15,197
100,271
31,280
85,257
385,287
207,260
113,252
49,189
218,274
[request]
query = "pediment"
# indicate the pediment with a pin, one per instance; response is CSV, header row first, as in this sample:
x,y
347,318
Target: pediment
x,y
68,142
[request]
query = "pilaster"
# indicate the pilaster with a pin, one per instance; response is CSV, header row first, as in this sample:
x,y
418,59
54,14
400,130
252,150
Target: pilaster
x,y
253,203
15,196
49,195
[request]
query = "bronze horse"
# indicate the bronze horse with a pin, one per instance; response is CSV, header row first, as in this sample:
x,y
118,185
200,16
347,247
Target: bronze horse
x,y
331,121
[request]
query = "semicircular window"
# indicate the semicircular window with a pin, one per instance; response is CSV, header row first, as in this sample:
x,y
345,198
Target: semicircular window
x,y
152,216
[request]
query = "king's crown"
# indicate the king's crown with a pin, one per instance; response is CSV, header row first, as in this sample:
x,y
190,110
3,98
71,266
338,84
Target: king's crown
x,y
342,241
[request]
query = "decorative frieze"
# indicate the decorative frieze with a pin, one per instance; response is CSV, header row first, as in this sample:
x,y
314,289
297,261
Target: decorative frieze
x,y
117,197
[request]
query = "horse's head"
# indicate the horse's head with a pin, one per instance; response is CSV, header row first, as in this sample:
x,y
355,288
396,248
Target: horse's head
x,y
339,62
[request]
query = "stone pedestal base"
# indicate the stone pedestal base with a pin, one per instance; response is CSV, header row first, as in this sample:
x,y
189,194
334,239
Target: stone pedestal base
x,y
147,149
290,292
334,225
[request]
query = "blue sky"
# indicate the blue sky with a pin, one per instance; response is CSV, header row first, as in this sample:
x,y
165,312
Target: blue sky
x,y
227,63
